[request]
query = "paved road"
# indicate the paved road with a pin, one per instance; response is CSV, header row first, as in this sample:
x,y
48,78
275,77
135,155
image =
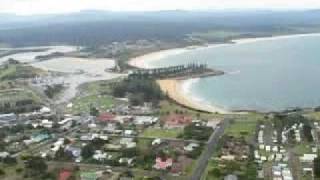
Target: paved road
x,y
206,155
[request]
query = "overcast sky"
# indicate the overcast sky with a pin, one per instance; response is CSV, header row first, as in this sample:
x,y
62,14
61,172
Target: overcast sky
x,y
27,7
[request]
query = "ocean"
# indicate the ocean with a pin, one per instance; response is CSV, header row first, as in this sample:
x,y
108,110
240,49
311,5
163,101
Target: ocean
x,y
265,75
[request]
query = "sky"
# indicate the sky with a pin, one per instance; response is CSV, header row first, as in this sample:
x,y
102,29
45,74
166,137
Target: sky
x,y
30,7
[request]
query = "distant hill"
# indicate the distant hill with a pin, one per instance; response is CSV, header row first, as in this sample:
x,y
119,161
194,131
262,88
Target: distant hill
x,y
103,27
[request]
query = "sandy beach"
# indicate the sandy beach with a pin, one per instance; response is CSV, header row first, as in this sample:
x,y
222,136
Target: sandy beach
x,y
175,89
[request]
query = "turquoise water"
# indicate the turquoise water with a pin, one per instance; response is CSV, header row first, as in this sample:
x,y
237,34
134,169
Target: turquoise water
x,y
268,75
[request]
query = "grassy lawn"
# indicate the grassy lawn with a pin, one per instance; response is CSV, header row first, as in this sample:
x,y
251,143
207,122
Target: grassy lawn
x,y
144,144
171,107
211,165
83,104
96,94
162,133
303,148
241,128
189,167
313,115
12,96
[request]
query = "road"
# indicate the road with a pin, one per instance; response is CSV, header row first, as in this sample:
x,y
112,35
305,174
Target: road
x,y
207,153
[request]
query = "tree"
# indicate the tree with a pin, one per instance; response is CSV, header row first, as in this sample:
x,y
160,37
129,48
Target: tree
x,y
307,132
215,172
87,151
62,155
36,165
316,167
2,173
10,160
94,111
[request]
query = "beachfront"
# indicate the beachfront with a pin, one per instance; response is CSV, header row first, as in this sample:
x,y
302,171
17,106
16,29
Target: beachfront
x,y
174,89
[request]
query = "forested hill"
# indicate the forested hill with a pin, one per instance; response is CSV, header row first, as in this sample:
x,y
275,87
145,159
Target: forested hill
x,y
99,27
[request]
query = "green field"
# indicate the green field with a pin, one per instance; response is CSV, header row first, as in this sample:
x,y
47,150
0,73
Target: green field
x,y
83,104
95,94
162,133
16,71
167,106
13,95
245,126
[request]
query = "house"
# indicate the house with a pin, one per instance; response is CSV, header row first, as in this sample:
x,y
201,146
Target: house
x,y
213,123
57,145
156,142
86,138
106,118
65,121
308,158
99,155
123,119
46,123
65,174
228,158
112,129
190,147
128,142
177,121
129,133
4,154
92,126
145,120
230,177
163,164
127,161
112,147
45,110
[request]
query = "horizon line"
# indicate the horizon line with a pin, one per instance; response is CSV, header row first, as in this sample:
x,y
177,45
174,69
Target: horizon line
x,y
168,10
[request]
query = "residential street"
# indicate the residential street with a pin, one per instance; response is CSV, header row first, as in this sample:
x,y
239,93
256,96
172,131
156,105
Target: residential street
x,y
206,155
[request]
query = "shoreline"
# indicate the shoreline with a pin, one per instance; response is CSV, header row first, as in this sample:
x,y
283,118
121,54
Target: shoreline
x,y
174,88
140,61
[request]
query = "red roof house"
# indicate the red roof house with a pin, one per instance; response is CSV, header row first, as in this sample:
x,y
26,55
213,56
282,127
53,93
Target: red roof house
x,y
106,117
163,164
177,120
65,174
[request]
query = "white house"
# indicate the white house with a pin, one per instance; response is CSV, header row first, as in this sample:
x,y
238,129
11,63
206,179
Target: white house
x,y
191,147
308,157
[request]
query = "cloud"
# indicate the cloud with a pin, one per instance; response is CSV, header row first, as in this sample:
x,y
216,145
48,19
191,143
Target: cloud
x,y
62,6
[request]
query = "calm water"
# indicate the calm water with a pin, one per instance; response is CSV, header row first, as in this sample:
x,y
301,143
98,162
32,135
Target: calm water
x,y
264,75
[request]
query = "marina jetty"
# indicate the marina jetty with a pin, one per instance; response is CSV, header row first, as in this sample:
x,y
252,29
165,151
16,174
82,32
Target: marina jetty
x,y
179,72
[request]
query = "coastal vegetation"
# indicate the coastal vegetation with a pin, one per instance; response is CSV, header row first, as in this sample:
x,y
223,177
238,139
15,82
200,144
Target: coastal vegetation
x,y
53,90
138,91
14,70
18,101
317,167
197,132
